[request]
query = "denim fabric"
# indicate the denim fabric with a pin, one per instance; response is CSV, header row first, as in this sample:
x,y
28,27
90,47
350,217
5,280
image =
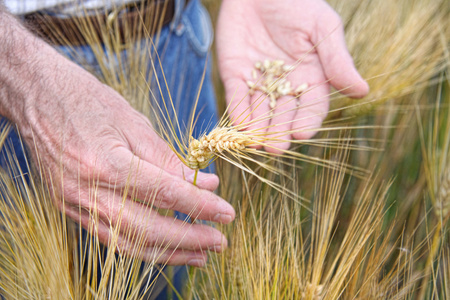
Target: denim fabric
x,y
183,47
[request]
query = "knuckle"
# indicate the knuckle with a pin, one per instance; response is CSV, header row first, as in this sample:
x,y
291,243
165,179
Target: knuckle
x,y
171,161
165,194
90,166
164,257
114,167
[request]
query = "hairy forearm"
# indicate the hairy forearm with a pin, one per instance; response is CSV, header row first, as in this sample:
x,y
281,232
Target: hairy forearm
x,y
25,61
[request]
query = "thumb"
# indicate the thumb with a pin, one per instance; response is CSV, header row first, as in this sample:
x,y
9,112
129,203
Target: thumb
x,y
336,61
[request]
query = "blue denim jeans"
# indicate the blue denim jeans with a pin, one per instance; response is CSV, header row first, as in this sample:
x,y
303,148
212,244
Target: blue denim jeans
x,y
184,46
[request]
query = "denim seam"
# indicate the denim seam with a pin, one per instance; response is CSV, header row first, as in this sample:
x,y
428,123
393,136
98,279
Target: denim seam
x,y
199,48
179,9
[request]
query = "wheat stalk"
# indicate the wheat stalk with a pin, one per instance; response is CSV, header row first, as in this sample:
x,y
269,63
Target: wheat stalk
x,y
273,254
276,253
414,53
443,196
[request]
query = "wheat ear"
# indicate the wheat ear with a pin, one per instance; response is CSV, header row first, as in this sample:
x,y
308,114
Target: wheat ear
x,y
202,151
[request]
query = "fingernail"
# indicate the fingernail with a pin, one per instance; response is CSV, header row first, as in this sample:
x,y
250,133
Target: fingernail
x,y
222,218
196,262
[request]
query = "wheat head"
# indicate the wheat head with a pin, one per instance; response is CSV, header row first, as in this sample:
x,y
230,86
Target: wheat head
x,y
201,151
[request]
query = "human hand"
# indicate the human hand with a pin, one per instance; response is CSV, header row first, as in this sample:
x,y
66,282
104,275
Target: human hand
x,y
101,155
309,31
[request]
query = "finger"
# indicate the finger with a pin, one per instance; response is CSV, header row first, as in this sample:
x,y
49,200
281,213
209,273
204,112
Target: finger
x,y
336,61
138,222
146,145
238,99
279,131
147,182
178,234
169,256
260,115
203,180
313,109
171,164
151,183
137,245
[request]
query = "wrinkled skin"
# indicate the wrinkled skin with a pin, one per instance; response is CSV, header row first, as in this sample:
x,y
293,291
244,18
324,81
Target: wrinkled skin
x,y
95,136
83,130
90,141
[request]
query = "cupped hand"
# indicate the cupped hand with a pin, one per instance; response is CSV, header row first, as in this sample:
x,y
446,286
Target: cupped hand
x,y
104,156
306,31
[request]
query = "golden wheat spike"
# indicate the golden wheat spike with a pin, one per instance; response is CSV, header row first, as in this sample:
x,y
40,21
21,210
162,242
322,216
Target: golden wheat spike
x,y
201,151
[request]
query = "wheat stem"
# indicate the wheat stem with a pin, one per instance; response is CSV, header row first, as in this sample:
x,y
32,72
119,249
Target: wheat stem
x,y
434,250
195,178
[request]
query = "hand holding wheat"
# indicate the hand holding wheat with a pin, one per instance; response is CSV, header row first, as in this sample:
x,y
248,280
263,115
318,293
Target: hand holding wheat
x,y
305,31
103,157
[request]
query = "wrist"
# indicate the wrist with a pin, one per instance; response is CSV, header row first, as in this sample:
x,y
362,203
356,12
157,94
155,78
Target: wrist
x,y
24,59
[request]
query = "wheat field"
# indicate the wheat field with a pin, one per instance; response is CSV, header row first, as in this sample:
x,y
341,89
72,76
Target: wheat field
x,y
360,211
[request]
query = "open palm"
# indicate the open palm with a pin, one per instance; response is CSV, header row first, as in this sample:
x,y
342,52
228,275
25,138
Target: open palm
x,y
305,31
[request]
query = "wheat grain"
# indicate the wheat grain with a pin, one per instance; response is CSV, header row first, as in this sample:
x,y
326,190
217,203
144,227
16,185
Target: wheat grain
x,y
273,81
